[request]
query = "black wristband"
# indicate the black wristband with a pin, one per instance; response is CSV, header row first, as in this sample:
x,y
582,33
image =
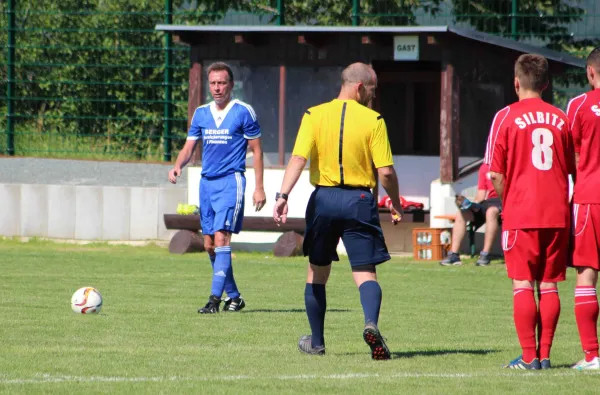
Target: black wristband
x,y
281,196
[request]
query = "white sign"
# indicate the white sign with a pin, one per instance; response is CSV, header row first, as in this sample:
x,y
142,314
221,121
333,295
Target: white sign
x,y
406,47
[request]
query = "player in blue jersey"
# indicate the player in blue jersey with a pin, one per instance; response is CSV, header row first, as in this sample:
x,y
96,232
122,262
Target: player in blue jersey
x,y
228,128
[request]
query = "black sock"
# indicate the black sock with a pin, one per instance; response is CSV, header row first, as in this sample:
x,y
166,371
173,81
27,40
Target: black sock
x,y
316,304
370,298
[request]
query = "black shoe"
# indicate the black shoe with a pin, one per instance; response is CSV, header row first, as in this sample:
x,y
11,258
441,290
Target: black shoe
x,y
545,364
212,306
374,339
234,304
305,345
484,259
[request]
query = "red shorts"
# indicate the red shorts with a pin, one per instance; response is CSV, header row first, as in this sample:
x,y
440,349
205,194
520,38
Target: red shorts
x,y
586,235
536,254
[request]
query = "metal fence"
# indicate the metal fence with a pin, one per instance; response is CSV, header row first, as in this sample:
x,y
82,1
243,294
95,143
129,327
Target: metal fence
x,y
93,79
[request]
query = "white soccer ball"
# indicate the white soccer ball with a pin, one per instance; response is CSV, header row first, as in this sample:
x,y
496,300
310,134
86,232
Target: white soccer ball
x,y
86,300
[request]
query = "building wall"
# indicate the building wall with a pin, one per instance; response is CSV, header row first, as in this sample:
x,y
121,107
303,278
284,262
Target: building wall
x,y
84,212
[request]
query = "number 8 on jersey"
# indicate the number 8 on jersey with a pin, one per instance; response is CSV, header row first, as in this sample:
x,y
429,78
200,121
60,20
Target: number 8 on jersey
x,y
541,155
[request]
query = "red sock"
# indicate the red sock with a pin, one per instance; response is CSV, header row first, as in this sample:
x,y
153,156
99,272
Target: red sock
x,y
586,315
548,320
525,316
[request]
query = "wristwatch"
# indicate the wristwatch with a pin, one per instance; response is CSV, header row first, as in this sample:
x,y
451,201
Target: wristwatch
x,y
281,196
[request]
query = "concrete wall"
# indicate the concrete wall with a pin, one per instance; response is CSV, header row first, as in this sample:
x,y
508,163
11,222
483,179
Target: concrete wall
x,y
87,212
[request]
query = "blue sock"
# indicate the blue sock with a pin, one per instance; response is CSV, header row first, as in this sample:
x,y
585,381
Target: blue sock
x,y
222,265
316,304
370,298
212,260
230,285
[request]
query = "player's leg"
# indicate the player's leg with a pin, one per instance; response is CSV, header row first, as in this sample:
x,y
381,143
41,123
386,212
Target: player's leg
x,y
491,230
521,252
315,301
209,247
207,216
555,245
320,242
586,260
586,316
229,212
366,248
459,228
234,300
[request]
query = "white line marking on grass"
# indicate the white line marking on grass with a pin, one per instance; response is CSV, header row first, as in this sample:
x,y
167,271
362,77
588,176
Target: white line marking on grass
x,y
48,379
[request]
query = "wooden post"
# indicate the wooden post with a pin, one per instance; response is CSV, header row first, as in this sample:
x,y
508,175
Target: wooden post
x,y
449,123
195,101
282,82
409,121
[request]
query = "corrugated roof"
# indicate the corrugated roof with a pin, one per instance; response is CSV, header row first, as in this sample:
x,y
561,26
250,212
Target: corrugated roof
x,y
469,34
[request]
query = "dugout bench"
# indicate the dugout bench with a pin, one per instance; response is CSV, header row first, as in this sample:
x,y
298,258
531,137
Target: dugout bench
x,y
188,237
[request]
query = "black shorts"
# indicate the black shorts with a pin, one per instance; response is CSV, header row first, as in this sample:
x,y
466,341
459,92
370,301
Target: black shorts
x,y
479,216
351,214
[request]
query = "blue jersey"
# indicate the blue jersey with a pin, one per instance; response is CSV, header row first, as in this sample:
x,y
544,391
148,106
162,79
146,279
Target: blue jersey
x,y
225,136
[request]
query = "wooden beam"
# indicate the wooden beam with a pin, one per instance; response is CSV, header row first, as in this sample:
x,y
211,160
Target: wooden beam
x,y
314,40
195,101
282,86
449,125
250,39
377,39
182,38
409,120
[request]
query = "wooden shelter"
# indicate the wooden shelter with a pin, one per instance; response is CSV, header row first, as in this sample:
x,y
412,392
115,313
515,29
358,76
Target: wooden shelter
x,y
439,86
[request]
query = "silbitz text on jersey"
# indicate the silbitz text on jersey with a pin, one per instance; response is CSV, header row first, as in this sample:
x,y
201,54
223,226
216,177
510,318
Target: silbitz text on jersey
x,y
539,117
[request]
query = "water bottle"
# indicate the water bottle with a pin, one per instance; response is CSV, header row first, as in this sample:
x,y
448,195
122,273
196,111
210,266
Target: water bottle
x,y
466,204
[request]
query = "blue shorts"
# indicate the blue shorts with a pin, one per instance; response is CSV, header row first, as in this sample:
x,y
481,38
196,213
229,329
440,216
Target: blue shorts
x,y
351,214
222,203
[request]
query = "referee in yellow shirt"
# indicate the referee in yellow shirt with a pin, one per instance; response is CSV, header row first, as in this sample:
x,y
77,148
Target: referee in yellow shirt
x,y
345,141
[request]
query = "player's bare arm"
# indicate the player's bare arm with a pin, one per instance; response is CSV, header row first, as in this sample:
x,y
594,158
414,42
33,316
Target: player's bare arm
x,y
183,158
480,196
259,198
290,178
498,182
389,182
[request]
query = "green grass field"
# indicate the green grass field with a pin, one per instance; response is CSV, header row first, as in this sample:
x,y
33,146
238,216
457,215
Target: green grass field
x,y
449,328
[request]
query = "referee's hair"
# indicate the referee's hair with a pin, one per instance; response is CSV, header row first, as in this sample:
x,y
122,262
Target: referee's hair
x,y
358,72
220,66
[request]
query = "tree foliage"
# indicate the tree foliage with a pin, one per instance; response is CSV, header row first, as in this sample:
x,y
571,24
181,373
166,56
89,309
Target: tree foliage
x,y
93,70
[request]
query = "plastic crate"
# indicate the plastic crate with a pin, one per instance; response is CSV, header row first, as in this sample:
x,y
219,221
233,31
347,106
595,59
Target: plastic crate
x,y
431,244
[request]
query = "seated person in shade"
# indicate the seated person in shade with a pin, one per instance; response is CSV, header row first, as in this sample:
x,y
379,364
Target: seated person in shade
x,y
485,209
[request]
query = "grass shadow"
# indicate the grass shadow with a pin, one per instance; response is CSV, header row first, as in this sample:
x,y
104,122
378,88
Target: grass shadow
x,y
563,366
434,353
292,311
429,353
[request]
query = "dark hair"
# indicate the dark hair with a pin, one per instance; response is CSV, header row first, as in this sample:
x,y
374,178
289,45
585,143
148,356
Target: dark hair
x,y
593,58
532,72
220,66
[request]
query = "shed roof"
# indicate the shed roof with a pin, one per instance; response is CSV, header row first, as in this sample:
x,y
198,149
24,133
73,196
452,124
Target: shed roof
x,y
300,29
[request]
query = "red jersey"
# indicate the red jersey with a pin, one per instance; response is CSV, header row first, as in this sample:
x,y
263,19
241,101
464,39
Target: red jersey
x,y
584,117
485,182
530,144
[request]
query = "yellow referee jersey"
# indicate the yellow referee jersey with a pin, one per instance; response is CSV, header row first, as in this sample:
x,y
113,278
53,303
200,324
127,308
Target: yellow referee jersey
x,y
343,139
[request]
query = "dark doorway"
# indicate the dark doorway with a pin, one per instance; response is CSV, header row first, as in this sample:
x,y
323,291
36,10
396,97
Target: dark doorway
x,y
408,97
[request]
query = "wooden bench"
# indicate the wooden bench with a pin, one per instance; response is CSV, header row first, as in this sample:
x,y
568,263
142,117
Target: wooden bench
x,y
188,237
